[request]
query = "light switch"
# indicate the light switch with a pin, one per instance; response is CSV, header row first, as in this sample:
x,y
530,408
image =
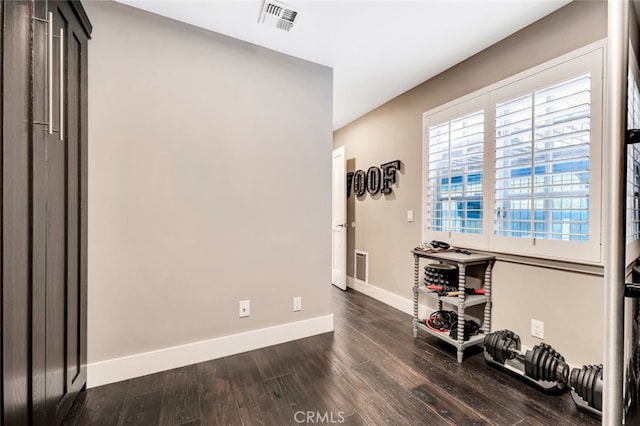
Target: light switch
x,y
409,215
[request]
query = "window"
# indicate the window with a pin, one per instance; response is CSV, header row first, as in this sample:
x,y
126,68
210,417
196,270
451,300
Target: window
x,y
516,167
542,163
633,158
455,174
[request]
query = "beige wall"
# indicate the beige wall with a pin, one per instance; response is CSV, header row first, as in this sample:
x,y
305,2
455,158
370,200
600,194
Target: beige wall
x,y
567,302
210,182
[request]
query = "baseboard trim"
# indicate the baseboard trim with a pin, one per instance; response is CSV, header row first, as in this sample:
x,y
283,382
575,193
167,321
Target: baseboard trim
x,y
118,369
388,298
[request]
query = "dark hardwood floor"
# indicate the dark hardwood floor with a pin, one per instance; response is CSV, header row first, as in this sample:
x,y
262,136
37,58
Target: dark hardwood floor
x,y
370,370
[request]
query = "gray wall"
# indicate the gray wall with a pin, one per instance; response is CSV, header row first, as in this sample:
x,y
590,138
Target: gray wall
x,y
569,303
210,182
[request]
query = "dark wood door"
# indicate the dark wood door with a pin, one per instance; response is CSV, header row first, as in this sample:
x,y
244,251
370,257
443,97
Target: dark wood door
x,y
59,216
43,210
16,225
68,186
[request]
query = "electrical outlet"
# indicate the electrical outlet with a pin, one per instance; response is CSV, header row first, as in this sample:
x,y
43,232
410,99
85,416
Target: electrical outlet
x,y
537,329
244,308
297,304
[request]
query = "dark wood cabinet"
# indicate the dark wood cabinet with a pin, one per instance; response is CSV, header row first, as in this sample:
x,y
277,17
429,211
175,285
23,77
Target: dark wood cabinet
x,y
43,160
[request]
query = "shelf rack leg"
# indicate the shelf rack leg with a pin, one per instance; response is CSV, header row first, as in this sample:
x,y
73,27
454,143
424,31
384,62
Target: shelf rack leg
x,y
487,291
416,283
461,298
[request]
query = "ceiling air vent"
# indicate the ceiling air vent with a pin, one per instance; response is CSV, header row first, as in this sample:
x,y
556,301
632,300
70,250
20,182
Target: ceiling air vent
x,y
277,14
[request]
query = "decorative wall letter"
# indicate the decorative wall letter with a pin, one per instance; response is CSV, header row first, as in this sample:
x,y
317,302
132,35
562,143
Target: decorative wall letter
x,y
374,180
360,183
349,182
389,175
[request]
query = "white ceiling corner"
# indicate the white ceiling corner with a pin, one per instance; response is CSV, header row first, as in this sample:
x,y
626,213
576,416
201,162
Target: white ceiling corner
x,y
378,49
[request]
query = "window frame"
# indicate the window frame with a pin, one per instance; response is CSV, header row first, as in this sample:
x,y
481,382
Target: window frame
x,y
587,59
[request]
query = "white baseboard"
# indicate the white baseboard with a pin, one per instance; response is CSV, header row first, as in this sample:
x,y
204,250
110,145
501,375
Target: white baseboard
x,y
388,298
117,369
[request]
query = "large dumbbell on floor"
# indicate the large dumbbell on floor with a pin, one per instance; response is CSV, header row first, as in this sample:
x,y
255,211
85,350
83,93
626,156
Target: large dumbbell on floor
x,y
541,366
502,345
586,392
544,363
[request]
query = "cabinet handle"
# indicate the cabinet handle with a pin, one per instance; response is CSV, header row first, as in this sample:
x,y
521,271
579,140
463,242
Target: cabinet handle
x,y
50,71
62,84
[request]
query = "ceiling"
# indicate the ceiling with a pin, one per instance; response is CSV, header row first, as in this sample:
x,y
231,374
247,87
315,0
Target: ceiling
x,y
378,49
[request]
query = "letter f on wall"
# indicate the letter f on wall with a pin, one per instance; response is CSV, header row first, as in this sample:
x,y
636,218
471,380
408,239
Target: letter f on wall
x,y
389,175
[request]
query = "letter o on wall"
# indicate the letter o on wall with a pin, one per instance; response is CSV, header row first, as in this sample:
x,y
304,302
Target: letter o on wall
x,y
374,177
360,183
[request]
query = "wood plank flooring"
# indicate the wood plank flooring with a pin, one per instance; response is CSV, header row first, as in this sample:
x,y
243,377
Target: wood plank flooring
x,y
369,371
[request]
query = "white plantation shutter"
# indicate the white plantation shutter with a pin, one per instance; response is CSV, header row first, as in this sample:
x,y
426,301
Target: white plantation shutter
x,y
513,165
542,163
455,168
438,205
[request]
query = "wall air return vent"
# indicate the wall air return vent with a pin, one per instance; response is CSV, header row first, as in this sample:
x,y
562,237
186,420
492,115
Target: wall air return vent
x,y
361,272
277,15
